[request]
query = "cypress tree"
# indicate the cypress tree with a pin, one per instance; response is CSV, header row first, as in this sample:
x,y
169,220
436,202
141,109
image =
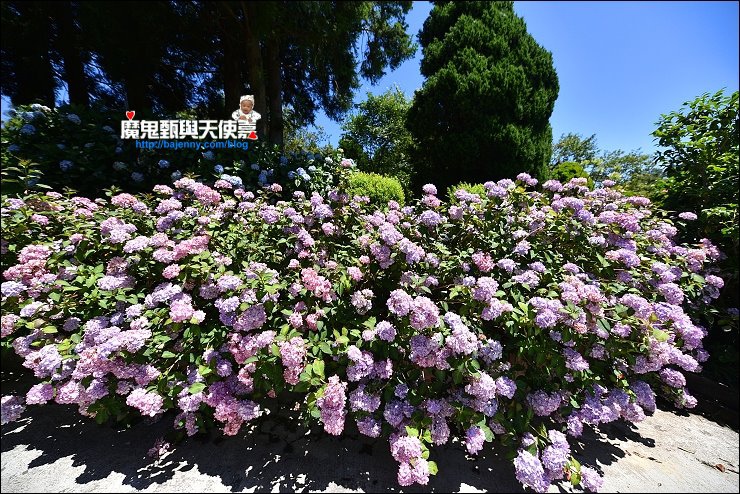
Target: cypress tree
x,y
483,111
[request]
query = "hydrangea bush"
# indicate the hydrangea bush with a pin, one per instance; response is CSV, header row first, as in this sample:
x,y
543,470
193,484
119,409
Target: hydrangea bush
x,y
81,148
520,317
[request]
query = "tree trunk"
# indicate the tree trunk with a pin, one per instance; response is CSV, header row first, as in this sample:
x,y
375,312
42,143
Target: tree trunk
x,y
70,50
34,72
230,34
256,75
136,94
275,92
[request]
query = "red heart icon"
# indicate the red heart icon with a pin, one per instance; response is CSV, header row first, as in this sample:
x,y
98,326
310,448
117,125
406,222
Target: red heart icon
x,y
130,114
252,135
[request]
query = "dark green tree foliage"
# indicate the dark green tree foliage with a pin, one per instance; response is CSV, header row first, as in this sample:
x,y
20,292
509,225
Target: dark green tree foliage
x,y
483,112
140,48
314,63
160,57
375,136
146,56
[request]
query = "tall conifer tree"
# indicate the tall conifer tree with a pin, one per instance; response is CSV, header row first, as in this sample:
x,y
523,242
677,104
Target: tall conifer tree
x,y
483,112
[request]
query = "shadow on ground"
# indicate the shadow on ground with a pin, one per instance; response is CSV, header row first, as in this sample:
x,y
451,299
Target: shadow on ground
x,y
275,454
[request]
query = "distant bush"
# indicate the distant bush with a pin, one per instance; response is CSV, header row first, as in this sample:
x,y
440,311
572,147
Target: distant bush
x,y
378,188
477,189
570,169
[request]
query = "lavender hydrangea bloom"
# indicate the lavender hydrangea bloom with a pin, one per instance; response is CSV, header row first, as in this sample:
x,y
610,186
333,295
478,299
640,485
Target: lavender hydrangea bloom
x,y
575,360
361,400
626,257
148,403
40,394
490,351
369,426
672,378
672,293
11,408
385,331
331,405
530,472
430,218
554,459
505,387
546,319
715,281
400,303
528,277
462,340
590,479
495,309
12,288
395,411
507,265
362,301
474,439
424,313
252,318
543,403
485,289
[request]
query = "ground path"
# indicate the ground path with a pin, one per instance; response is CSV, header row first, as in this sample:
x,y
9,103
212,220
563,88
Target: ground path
x,y
54,449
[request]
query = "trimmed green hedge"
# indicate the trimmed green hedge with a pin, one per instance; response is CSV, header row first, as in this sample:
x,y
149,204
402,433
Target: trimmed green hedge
x,y
379,188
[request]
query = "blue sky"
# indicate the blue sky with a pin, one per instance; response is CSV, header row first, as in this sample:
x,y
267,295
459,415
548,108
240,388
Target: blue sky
x,y
620,64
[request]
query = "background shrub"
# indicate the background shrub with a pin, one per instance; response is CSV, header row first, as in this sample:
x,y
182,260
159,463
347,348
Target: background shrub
x,y
563,172
379,188
477,189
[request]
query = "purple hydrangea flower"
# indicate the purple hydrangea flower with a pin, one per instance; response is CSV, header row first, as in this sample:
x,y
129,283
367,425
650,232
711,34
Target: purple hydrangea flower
x,y
544,403
590,479
11,408
530,472
400,302
424,313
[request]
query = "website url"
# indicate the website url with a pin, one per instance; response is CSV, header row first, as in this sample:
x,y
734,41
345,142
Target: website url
x,y
165,144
